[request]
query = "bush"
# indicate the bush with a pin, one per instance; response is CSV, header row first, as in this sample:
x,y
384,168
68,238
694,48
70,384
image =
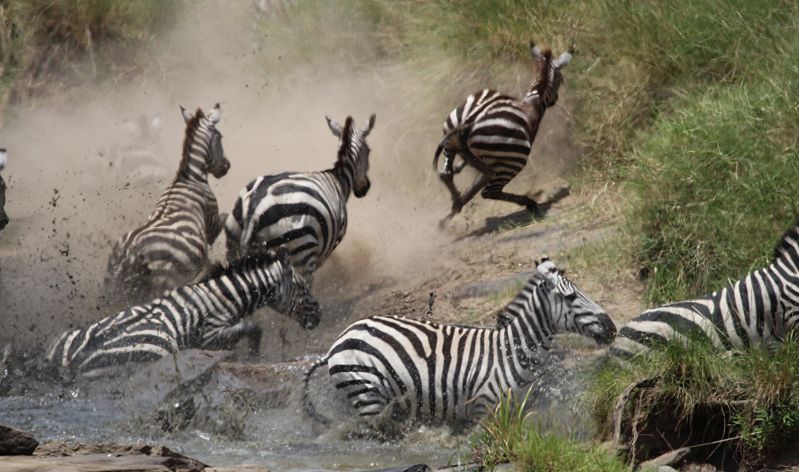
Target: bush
x,y
742,407
509,435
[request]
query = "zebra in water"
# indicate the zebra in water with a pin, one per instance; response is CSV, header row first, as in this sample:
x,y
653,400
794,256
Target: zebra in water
x,y
207,315
305,212
448,373
3,215
171,248
494,133
761,308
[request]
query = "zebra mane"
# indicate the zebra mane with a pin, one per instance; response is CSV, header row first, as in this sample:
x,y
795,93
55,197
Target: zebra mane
x,y
191,128
346,137
788,245
247,263
541,82
504,317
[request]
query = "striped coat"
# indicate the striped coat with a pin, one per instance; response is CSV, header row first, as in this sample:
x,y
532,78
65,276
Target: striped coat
x,y
305,212
494,133
171,248
758,309
207,315
447,373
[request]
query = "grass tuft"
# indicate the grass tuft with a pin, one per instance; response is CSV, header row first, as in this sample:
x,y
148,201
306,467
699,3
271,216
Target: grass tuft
x,y
509,435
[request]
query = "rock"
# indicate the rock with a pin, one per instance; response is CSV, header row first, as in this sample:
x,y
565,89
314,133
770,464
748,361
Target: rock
x,y
101,457
668,459
406,468
16,442
468,468
666,468
485,288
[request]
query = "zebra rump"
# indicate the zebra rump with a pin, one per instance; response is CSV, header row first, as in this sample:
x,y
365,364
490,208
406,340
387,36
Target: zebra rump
x,y
209,315
760,308
429,372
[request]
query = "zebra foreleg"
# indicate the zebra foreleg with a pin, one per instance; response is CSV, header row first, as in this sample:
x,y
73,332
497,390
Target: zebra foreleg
x,y
459,201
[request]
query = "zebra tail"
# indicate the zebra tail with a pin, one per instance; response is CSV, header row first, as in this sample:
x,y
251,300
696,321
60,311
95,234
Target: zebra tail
x,y
461,127
306,399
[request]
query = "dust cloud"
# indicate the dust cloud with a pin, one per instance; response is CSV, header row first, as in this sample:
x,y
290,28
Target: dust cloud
x,y
70,196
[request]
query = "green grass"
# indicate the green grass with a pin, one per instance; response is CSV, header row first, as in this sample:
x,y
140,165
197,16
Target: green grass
x,y
39,38
757,391
510,435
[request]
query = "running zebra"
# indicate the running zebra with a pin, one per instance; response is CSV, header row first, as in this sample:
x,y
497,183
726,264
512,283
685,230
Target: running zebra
x,y
207,315
761,308
304,212
448,373
171,248
494,133
3,215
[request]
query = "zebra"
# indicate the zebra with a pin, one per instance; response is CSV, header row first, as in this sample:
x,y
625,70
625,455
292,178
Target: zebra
x,y
440,373
209,315
171,248
759,309
3,215
494,133
305,212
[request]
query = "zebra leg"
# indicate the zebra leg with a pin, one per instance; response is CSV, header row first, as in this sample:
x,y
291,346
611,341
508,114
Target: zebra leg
x,y
461,200
230,335
494,192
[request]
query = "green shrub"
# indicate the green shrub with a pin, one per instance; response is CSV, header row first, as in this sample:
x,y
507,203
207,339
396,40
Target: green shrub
x,y
509,435
752,395
712,191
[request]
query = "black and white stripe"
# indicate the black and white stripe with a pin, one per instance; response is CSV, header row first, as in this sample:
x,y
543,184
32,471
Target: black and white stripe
x,y
444,372
171,248
208,315
494,133
3,215
761,308
304,212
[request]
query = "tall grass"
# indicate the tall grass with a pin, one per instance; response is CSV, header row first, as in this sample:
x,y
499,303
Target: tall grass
x,y
510,435
39,38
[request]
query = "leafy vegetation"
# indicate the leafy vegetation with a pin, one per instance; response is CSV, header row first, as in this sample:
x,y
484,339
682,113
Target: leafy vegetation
x,y
38,38
510,435
745,405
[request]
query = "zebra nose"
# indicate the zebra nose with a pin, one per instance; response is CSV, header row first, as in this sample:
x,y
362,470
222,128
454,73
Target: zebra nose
x,y
3,221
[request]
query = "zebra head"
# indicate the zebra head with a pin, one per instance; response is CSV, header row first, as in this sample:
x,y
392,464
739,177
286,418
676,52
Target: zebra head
x,y
571,309
203,137
353,153
546,74
294,294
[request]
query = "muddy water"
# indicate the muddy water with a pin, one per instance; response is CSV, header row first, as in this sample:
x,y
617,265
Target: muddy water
x,y
282,438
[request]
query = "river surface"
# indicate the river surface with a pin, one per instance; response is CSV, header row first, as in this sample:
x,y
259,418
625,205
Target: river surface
x,y
282,439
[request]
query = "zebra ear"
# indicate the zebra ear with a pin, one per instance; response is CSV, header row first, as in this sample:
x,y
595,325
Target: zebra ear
x,y
335,128
215,114
563,60
535,51
369,126
186,115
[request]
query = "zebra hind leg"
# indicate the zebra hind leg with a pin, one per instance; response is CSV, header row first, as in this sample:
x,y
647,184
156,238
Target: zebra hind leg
x,y
494,192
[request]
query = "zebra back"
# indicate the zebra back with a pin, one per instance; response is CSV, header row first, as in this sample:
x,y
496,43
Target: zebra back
x,y
760,308
436,372
209,315
304,212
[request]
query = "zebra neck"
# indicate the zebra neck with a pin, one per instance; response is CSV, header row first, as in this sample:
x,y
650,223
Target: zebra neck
x,y
344,173
526,320
193,165
238,294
